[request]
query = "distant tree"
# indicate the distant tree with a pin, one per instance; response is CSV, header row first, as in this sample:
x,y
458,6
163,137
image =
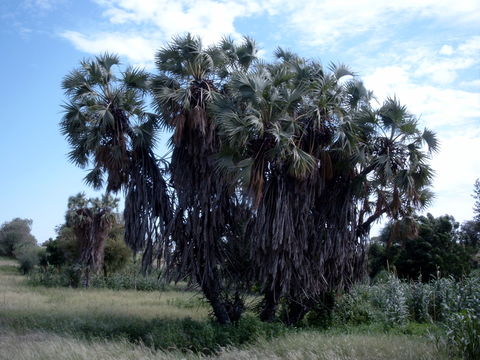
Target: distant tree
x,y
64,250
117,254
15,234
27,256
470,234
91,220
433,248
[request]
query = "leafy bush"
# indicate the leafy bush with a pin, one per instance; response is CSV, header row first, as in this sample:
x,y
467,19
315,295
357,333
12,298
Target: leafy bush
x,y
390,298
418,301
117,253
28,257
463,334
355,307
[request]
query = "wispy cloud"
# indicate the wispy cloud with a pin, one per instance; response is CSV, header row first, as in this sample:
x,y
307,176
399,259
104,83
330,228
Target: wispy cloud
x,y
148,24
325,22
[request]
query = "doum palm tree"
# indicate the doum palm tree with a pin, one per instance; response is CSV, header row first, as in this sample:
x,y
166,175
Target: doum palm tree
x,y
91,220
205,210
277,169
321,166
109,129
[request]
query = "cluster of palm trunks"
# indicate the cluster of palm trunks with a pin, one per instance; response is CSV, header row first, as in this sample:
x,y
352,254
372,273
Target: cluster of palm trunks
x,y
275,173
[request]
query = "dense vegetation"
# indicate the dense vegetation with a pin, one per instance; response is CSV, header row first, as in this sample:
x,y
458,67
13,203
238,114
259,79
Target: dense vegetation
x,y
435,248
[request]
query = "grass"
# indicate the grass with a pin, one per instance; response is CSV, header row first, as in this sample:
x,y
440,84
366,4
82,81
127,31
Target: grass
x,y
61,323
20,300
301,346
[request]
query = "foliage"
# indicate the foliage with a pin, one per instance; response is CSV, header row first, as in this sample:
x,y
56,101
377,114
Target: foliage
x,y
28,257
463,334
390,298
393,302
14,234
354,307
117,254
433,248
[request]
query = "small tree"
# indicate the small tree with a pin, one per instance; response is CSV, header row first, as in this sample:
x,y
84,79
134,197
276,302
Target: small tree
x,y
15,234
432,248
27,256
91,220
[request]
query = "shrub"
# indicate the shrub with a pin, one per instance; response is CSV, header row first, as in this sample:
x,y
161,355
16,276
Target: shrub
x,y
128,278
463,334
418,301
355,307
117,254
27,256
390,298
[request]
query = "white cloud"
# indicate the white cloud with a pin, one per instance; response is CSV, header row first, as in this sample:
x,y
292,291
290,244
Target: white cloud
x,y
138,49
446,50
147,24
316,22
424,80
457,167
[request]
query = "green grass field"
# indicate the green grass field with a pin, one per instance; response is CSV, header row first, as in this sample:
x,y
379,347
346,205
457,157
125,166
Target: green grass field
x,y
61,323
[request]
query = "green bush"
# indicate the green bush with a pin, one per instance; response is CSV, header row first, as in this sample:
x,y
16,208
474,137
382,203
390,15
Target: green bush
x,y
463,335
390,298
27,256
419,298
355,307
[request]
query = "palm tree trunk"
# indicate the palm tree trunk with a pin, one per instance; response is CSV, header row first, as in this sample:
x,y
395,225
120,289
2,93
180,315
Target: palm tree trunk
x,y
211,290
270,304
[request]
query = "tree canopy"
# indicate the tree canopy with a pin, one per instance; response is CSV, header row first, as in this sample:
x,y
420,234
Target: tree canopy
x,y
433,250
14,235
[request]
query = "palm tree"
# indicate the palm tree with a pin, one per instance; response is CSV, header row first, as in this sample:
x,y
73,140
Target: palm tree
x,y
91,220
108,127
281,167
303,141
204,204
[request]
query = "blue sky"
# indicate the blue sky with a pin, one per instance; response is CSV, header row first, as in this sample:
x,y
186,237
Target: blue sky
x,y
426,52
